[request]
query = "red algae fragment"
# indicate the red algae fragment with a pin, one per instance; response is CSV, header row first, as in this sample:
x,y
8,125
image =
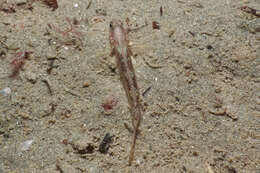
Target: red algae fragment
x,y
18,61
109,103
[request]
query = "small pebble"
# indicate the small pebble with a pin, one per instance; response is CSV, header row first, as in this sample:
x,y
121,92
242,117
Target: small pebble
x,y
155,25
26,145
105,144
86,84
31,77
6,91
76,5
83,146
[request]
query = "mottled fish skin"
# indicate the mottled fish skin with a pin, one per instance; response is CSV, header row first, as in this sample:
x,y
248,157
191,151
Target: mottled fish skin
x,y
122,52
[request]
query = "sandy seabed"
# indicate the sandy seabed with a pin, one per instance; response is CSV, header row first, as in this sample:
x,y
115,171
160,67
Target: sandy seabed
x,y
200,70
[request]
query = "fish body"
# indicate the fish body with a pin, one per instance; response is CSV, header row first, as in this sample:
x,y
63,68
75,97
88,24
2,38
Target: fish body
x,y
120,49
